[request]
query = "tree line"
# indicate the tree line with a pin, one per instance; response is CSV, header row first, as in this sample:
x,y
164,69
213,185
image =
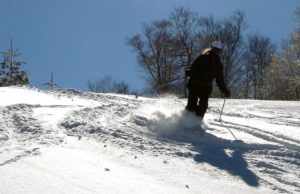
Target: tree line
x,y
253,68
253,65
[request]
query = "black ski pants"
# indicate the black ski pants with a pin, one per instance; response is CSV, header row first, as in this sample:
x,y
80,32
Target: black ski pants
x,y
198,99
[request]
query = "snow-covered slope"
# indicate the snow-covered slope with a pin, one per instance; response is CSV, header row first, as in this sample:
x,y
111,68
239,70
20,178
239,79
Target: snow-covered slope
x,y
66,141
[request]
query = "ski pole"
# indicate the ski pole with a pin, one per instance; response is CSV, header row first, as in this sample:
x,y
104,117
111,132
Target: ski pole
x,y
220,120
222,109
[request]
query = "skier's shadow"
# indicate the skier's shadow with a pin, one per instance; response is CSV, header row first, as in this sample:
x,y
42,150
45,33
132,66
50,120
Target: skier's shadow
x,y
234,163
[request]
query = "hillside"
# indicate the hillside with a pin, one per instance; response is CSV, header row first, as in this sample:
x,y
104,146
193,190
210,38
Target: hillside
x,y
66,141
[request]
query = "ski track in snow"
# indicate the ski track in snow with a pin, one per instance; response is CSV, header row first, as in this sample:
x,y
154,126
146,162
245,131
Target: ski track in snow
x,y
150,126
283,160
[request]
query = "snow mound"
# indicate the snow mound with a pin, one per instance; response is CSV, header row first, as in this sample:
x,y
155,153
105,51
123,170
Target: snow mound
x,y
166,116
17,123
175,124
167,120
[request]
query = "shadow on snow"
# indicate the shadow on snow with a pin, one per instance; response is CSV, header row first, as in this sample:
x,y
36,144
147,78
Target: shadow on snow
x,y
186,128
234,164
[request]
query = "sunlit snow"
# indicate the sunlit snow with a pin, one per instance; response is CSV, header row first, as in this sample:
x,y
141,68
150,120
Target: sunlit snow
x,y
66,141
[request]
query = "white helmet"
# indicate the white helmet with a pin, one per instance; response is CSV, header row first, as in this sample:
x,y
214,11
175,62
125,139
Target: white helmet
x,y
216,44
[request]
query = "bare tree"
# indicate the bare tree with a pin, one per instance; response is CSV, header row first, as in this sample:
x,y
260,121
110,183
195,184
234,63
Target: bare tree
x,y
102,86
259,53
229,32
210,30
154,51
108,85
296,34
121,87
232,39
285,68
185,48
278,79
285,75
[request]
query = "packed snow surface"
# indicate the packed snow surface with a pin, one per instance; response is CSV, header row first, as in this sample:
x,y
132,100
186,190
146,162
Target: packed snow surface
x,y
66,141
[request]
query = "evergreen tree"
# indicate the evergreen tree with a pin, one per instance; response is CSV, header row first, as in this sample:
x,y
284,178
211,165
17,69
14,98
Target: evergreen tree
x,y
10,72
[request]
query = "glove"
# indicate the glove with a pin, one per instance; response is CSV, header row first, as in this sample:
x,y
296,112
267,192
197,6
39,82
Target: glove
x,y
227,93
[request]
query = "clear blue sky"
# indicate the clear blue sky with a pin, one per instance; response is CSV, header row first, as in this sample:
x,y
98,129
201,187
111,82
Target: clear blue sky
x,y
81,40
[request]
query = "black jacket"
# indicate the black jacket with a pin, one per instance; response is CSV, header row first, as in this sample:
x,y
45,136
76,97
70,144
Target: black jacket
x,y
205,69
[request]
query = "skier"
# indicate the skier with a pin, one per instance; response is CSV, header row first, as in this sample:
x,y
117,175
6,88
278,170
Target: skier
x,y
202,72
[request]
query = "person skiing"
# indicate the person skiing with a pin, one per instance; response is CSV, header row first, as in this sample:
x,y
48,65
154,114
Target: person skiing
x,y
202,72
